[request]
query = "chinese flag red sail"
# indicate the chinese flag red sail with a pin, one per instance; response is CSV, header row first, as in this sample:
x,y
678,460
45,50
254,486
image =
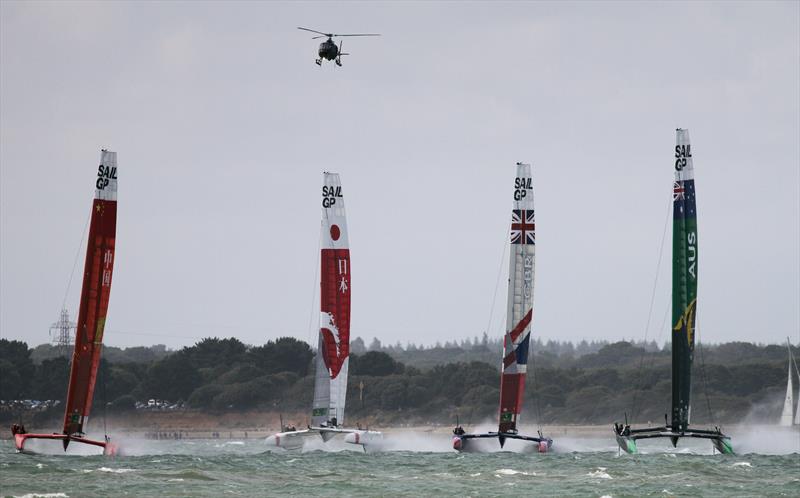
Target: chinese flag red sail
x,y
95,293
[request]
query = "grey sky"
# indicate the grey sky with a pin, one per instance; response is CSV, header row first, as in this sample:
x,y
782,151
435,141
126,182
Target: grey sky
x,y
223,125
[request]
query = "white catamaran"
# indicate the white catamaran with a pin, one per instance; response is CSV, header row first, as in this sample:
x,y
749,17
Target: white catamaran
x,y
789,403
333,347
519,318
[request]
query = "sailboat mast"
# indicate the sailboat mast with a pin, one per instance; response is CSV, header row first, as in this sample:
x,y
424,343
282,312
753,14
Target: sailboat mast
x,y
333,353
95,293
520,300
684,280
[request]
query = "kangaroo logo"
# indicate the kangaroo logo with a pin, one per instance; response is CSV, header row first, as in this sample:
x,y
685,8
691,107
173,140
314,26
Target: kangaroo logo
x,y
687,321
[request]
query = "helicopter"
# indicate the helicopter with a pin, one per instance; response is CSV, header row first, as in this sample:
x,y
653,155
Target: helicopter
x,y
328,49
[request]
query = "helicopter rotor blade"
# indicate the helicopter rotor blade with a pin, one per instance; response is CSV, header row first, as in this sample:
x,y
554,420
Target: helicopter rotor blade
x,y
317,32
358,34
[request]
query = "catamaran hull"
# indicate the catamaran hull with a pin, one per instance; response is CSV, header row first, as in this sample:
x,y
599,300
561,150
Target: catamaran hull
x,y
364,438
721,442
109,448
467,443
291,440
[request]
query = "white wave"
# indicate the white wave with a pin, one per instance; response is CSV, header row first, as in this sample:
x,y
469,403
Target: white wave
x,y
476,474
39,465
230,443
512,472
742,464
115,471
44,495
600,473
175,480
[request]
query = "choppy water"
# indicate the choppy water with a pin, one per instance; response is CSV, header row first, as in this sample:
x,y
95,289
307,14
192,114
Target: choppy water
x,y
245,468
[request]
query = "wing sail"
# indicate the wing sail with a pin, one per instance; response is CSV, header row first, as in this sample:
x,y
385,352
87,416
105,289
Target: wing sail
x,y
97,273
684,279
330,388
520,300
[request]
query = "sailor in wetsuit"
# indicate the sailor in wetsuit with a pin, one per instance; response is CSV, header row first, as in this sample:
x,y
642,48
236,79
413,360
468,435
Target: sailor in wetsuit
x,y
459,431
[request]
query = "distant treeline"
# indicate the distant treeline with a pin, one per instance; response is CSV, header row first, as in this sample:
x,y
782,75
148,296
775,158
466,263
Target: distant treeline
x,y
587,383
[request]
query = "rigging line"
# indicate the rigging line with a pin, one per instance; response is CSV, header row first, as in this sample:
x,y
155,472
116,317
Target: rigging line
x,y
532,353
154,334
650,311
703,376
75,263
497,282
104,372
653,357
535,390
792,359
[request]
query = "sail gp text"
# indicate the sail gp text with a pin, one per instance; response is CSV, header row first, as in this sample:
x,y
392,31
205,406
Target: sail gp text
x,y
104,175
521,187
330,194
681,153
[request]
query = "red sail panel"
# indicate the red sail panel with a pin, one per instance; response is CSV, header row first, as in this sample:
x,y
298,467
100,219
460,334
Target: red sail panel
x,y
95,293
511,389
335,307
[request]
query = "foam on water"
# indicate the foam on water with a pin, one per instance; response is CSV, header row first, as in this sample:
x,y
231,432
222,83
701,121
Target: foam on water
x,y
43,495
600,473
115,471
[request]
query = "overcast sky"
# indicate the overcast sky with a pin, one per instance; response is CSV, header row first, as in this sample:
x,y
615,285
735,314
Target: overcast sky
x,y
223,126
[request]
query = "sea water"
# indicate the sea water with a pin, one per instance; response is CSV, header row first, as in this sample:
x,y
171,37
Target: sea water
x,y
409,465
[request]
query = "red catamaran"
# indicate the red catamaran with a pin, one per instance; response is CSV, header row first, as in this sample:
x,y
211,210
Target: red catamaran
x,y
95,293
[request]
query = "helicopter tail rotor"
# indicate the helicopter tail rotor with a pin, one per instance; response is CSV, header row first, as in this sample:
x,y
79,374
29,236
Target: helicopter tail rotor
x,y
339,57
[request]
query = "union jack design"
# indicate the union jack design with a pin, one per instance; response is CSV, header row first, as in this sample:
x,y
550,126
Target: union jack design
x,y
523,226
678,191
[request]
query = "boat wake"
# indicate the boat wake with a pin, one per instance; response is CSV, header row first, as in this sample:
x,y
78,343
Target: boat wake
x,y
767,440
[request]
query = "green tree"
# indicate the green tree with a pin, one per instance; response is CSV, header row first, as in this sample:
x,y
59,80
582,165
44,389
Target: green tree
x,y
18,356
213,351
375,363
51,378
173,378
286,354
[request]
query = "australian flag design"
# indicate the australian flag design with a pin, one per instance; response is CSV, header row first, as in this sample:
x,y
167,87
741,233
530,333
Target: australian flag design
x,y
683,199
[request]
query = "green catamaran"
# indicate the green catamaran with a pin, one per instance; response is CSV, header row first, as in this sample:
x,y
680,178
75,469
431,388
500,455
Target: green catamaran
x,y
684,310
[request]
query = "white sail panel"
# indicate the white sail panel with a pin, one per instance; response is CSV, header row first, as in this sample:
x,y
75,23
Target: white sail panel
x,y
788,402
322,390
106,182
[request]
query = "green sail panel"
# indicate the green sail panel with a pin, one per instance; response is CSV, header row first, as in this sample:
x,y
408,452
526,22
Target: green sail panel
x,y
684,280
